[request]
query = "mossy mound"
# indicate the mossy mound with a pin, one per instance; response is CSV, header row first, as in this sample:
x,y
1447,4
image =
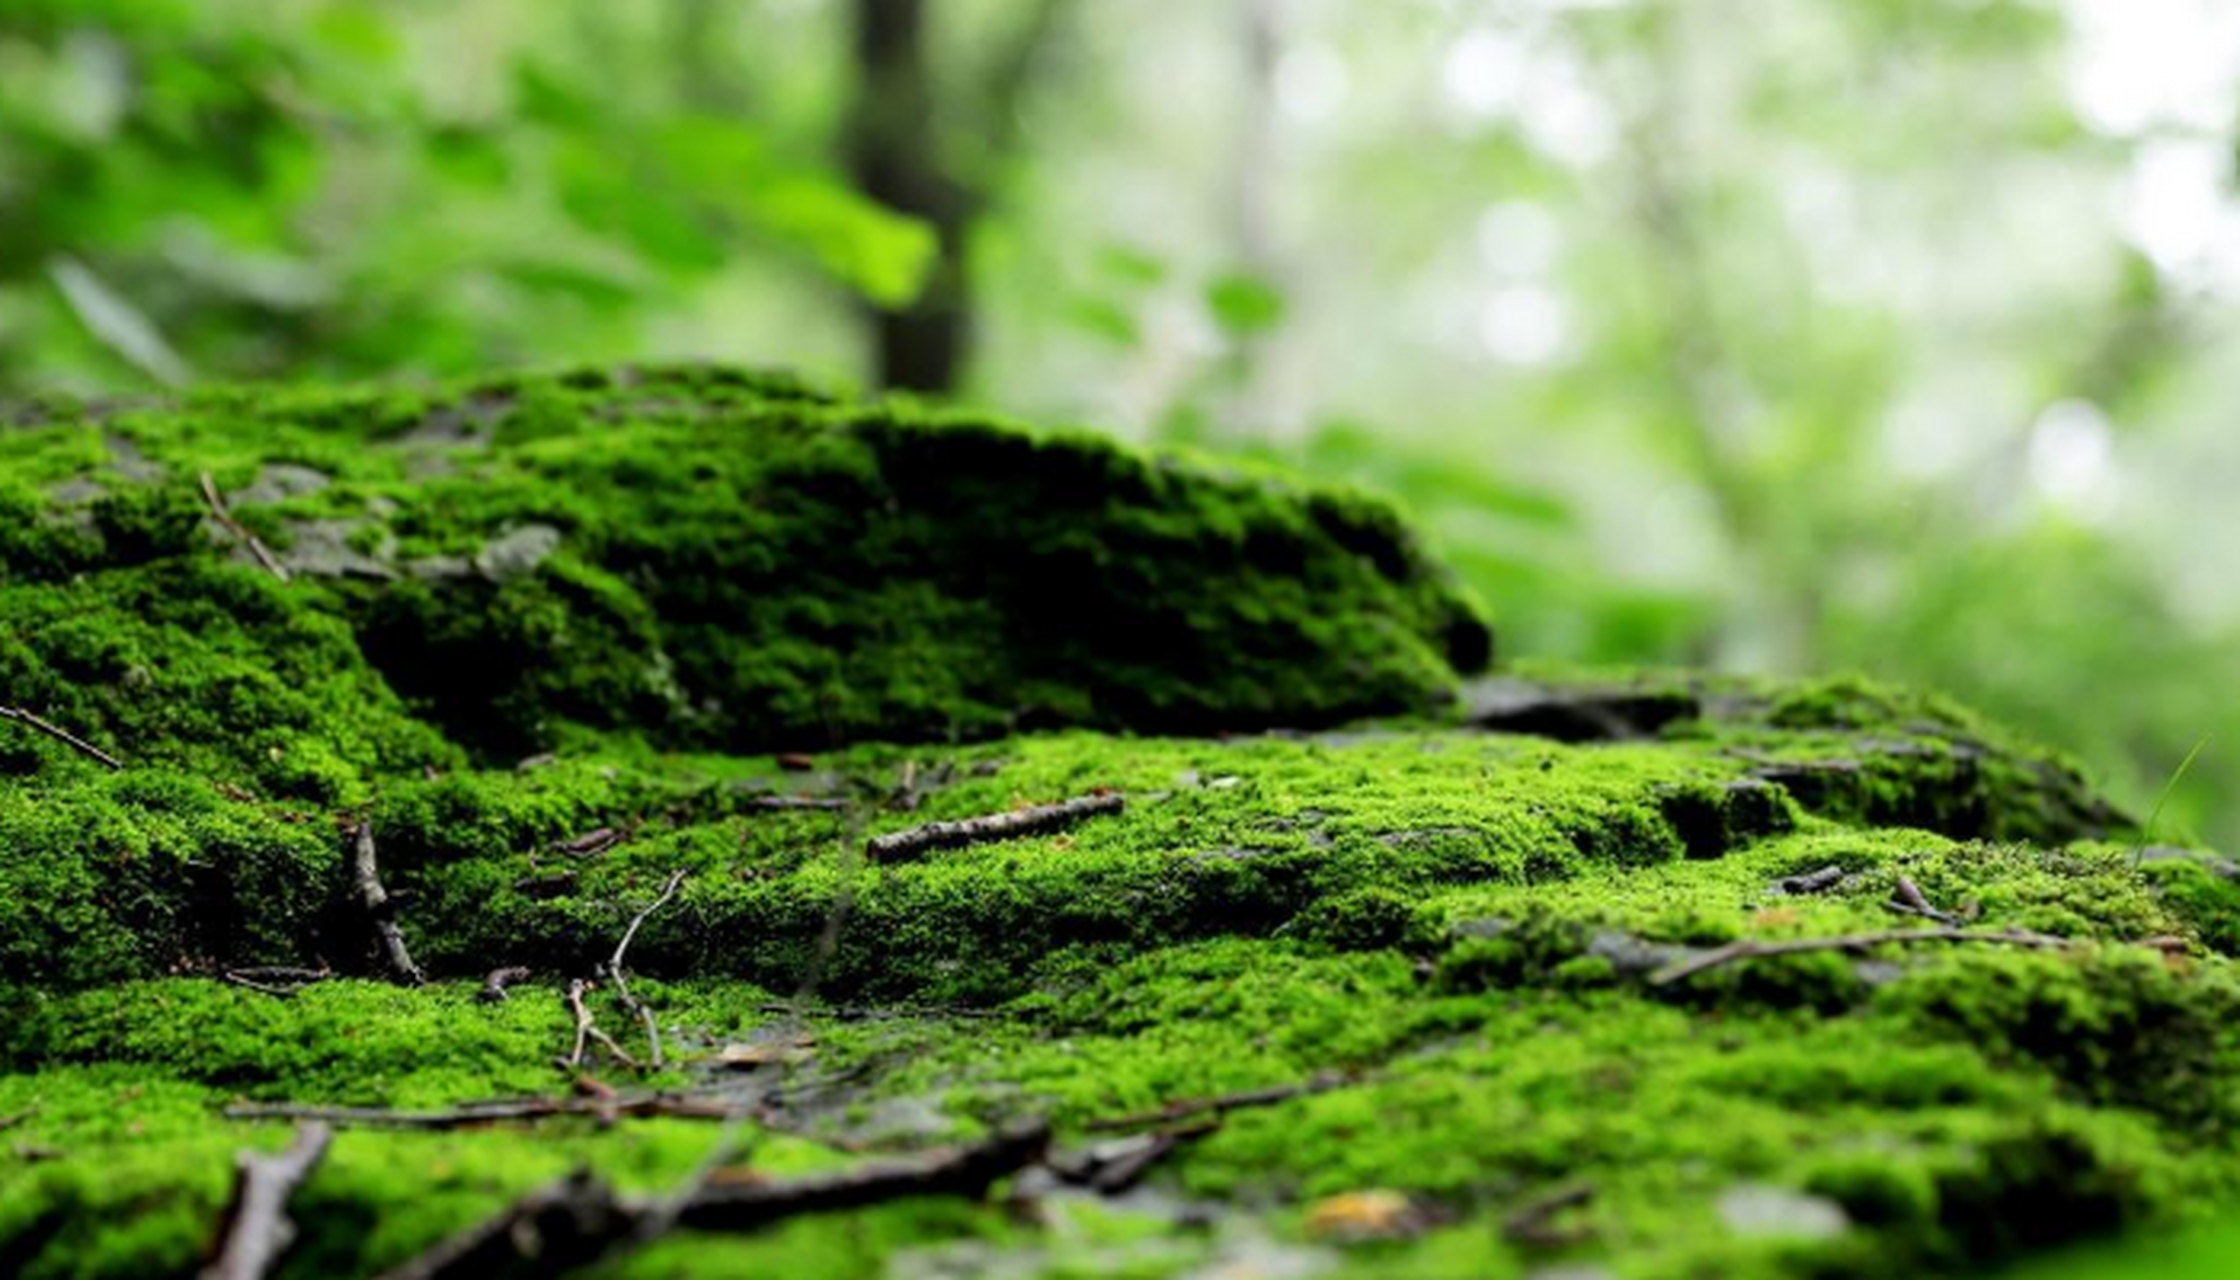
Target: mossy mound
x,y
711,559
1641,976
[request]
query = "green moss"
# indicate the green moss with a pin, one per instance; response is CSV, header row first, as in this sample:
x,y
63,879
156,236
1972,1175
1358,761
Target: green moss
x,y
542,631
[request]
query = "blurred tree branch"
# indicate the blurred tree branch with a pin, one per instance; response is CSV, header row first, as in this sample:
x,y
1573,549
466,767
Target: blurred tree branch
x,y
902,156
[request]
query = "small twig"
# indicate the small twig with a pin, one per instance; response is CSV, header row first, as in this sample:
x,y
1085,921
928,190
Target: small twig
x,y
1529,1224
239,530
622,985
61,735
870,1013
1749,948
1223,1104
1906,898
8,1122
257,1230
995,826
965,1171
366,871
587,1029
1825,878
783,803
579,1219
591,843
283,991
494,985
551,1231
609,1104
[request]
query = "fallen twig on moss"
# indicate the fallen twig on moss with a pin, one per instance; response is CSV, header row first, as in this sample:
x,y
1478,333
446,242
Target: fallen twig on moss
x,y
365,870
61,735
1750,948
494,984
872,1013
591,843
579,1218
550,1231
668,1106
283,983
967,1171
1906,898
995,826
1531,1223
1112,1167
1223,1104
788,803
630,1002
587,1029
257,1229
239,530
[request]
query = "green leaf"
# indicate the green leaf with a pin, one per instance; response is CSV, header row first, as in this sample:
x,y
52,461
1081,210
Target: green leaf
x,y
1245,304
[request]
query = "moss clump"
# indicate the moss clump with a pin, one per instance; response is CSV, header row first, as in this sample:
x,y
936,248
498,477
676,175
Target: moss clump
x,y
727,562
1434,955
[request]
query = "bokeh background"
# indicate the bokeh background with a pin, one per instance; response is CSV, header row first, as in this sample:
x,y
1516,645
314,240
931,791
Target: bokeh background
x,y
1772,335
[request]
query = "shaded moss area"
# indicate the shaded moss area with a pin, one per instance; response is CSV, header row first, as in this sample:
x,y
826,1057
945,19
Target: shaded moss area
x,y
720,559
1493,986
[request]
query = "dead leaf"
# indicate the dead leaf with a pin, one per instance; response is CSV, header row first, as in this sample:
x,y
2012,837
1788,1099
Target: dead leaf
x,y
1373,1214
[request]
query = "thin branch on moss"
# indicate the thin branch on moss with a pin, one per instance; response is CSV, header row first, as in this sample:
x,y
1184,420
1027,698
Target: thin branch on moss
x,y
790,803
285,988
1906,898
615,970
239,530
964,1171
667,1106
8,1122
365,870
61,735
550,1231
1223,1104
257,1230
919,840
870,1013
1751,948
587,1029
579,1219
1531,1222
495,983
591,843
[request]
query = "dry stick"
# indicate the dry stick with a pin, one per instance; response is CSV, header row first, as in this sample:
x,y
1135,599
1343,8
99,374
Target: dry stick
x,y
995,826
550,1231
1749,948
257,1229
622,985
579,1219
264,988
239,530
780,803
1906,897
1222,1104
870,1013
366,872
587,1028
61,735
637,1106
1529,1223
966,1171
494,985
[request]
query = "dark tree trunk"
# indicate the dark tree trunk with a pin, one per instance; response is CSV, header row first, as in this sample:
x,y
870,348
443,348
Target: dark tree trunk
x,y
892,146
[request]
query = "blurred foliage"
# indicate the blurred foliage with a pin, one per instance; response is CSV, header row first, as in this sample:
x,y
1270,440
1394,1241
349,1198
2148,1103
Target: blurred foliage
x,y
1767,334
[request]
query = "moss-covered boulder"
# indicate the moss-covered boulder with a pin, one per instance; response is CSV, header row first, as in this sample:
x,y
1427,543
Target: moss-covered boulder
x,y
936,780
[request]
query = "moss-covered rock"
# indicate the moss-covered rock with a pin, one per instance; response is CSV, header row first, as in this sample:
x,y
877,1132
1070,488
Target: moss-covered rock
x,y
1574,970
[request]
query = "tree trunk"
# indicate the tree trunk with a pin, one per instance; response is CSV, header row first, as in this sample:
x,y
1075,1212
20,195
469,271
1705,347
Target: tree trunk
x,y
892,144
